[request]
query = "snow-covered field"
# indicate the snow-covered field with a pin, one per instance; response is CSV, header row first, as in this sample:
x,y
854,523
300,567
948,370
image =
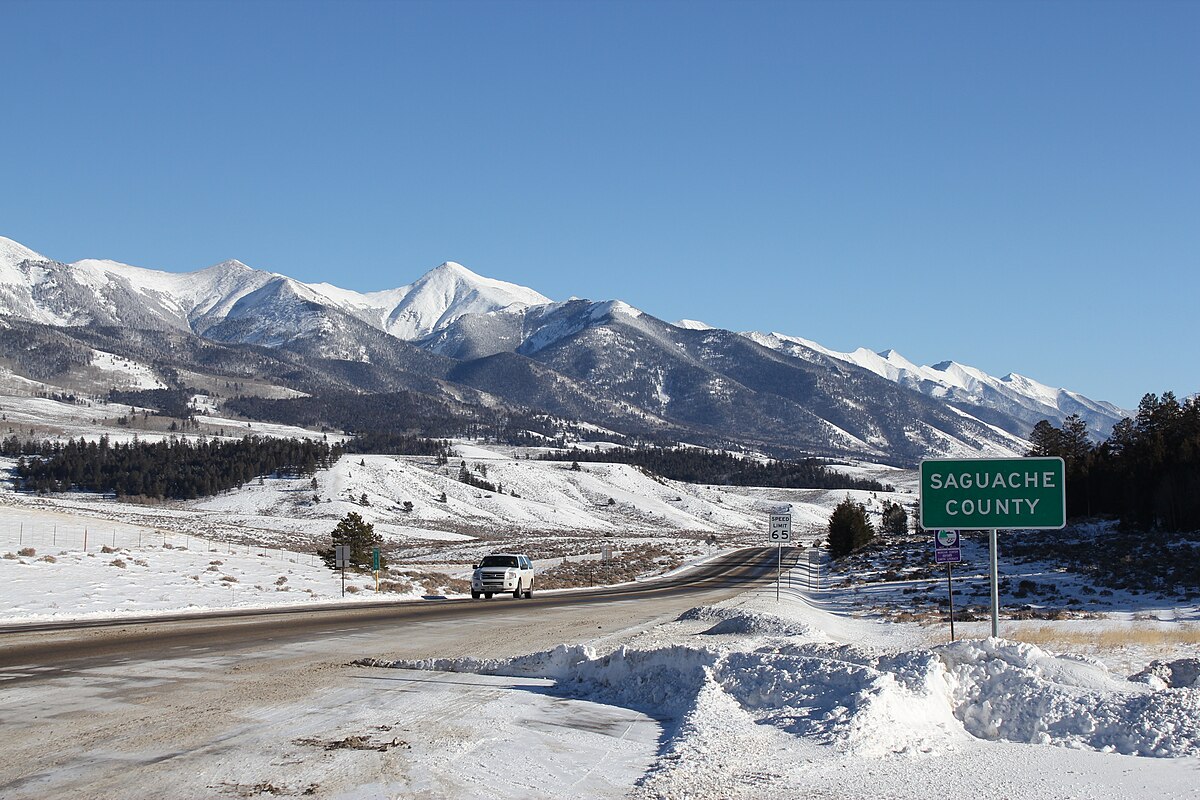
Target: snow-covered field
x,y
851,691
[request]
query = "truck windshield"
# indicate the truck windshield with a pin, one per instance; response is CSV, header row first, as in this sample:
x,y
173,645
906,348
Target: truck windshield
x,y
498,561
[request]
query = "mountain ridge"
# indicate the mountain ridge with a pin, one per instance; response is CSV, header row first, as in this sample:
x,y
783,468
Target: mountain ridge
x,y
605,358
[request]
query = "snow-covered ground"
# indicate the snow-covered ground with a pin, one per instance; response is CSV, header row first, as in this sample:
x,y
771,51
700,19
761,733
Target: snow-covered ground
x,y
853,691
759,698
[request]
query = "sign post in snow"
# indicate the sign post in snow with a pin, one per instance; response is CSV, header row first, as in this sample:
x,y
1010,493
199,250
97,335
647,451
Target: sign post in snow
x,y
990,494
947,550
779,530
341,558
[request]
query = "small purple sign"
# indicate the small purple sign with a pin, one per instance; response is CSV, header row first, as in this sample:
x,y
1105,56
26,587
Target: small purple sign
x,y
947,547
947,555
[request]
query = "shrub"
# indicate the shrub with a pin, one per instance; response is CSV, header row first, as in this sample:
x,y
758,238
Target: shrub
x,y
27,551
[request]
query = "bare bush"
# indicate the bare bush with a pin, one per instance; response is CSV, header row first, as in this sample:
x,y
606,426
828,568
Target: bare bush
x,y
27,551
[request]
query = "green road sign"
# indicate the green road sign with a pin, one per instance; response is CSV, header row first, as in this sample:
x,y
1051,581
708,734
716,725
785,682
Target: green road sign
x,y
982,493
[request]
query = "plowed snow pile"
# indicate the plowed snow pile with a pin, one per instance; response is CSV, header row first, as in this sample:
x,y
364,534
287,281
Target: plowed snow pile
x,y
744,685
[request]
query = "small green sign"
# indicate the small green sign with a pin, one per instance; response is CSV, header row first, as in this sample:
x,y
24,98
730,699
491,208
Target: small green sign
x,y
983,493
375,558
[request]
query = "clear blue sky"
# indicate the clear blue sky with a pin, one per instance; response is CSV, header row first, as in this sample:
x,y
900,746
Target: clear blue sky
x,y
1012,185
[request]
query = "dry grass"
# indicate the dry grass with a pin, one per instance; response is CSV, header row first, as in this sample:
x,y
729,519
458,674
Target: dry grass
x,y
1111,639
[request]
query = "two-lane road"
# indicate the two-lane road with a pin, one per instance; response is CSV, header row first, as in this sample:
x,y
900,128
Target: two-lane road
x,y
163,635
215,705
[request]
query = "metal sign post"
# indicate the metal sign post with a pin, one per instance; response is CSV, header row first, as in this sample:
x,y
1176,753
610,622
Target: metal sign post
x,y
341,558
779,531
995,559
993,493
947,549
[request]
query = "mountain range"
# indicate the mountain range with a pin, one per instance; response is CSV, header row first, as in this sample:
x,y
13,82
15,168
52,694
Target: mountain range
x,y
456,336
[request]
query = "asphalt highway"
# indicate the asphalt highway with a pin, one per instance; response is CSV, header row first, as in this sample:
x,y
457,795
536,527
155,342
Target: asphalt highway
x,y
98,641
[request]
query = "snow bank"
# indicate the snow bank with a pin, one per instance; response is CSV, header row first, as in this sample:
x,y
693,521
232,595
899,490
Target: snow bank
x,y
1013,691
917,703
746,622
1183,673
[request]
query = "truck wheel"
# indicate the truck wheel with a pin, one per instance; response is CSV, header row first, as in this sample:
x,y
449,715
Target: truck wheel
x,y
517,591
529,591
474,595
487,595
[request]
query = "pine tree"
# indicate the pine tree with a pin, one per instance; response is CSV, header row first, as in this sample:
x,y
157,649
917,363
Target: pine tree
x,y
849,528
353,530
1046,440
895,518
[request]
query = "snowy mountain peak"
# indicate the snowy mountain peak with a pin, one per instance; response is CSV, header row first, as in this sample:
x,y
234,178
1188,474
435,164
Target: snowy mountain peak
x,y
232,265
451,273
692,325
453,268
448,292
13,253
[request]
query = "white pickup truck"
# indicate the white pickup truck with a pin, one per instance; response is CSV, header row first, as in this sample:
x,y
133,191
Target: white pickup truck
x,y
502,572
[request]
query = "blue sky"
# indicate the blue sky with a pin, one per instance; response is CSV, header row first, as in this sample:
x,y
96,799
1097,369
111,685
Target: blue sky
x,y
1015,186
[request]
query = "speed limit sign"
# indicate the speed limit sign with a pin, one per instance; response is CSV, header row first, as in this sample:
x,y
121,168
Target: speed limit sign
x,y
780,528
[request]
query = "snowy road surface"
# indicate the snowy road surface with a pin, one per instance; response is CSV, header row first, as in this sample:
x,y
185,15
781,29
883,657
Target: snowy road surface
x,y
720,693
292,718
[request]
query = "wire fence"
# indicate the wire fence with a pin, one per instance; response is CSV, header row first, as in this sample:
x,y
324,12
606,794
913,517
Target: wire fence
x,y
19,532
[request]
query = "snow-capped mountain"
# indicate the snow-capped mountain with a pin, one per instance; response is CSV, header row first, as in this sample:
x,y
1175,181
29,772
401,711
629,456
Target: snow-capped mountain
x,y
456,335
1022,399
263,307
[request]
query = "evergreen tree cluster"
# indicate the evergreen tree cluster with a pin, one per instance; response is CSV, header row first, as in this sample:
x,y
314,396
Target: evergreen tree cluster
x,y
169,402
396,444
849,528
1147,473
895,518
478,481
174,468
694,465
